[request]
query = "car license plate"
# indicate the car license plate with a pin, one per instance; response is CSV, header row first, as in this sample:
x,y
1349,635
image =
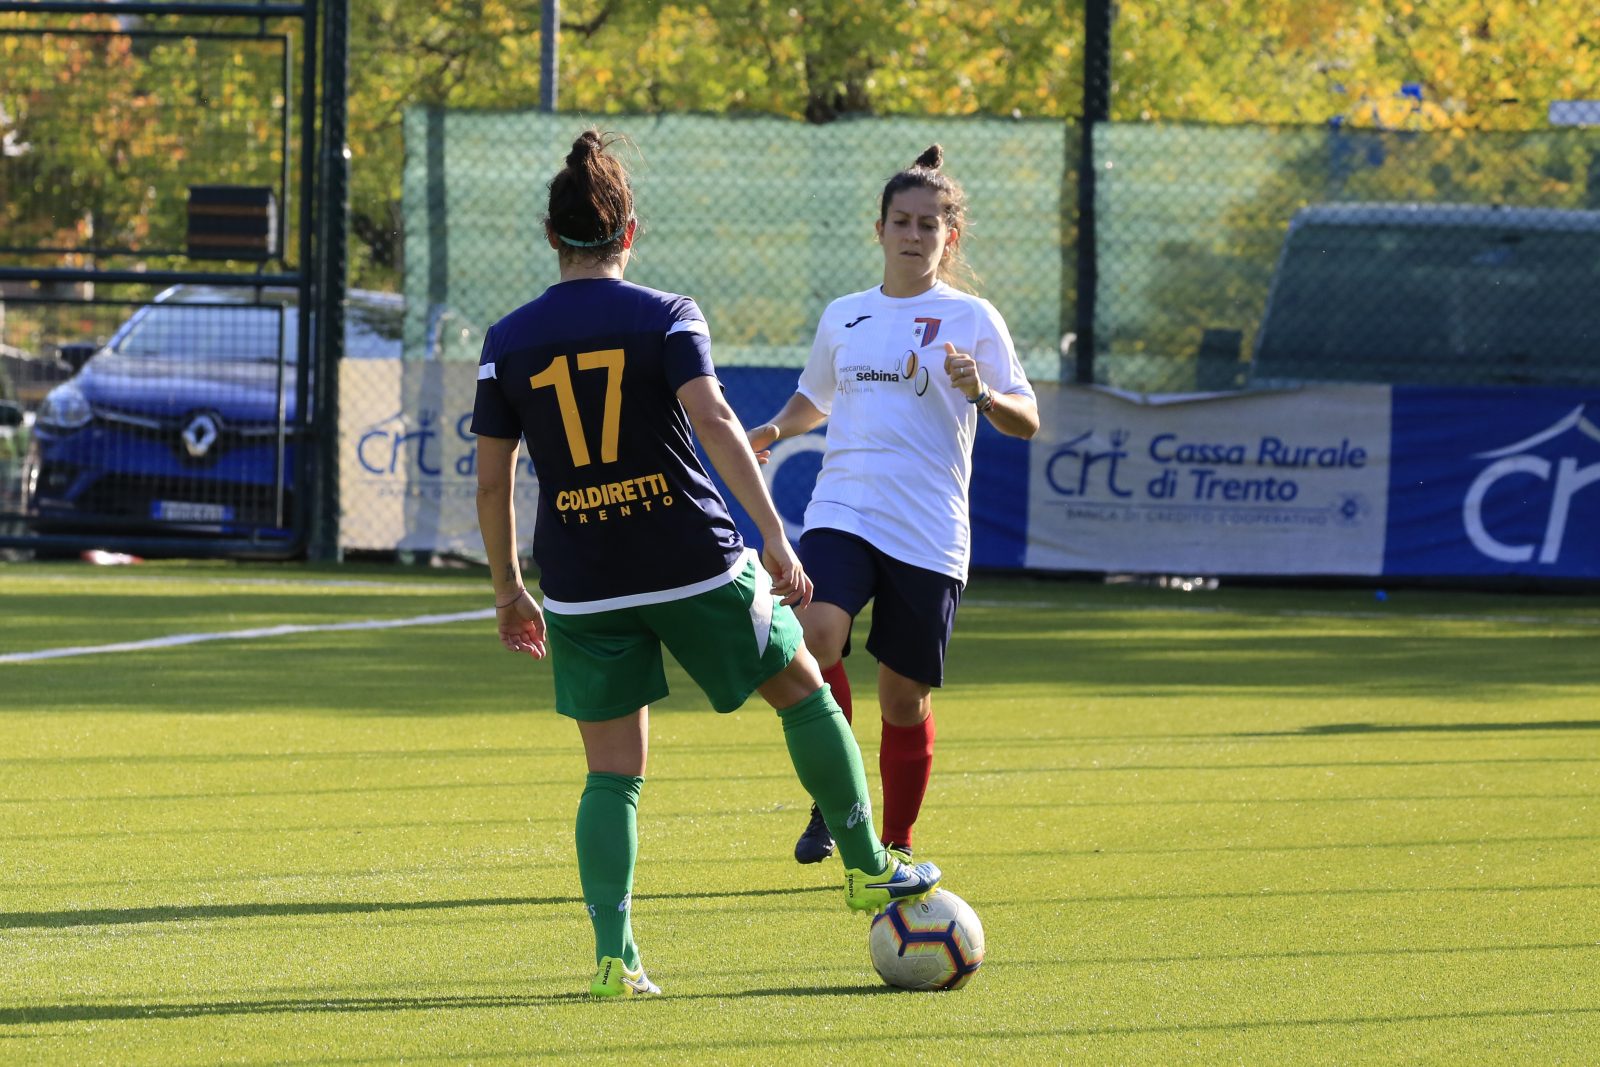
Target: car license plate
x,y
183,511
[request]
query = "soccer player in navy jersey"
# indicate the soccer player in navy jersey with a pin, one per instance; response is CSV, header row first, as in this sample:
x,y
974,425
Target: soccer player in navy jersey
x,y
903,373
608,383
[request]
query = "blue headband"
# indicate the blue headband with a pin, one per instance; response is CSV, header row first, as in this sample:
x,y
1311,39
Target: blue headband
x,y
593,244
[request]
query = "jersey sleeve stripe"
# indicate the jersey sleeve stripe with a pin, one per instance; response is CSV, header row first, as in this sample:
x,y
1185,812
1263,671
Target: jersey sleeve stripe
x,y
689,326
486,371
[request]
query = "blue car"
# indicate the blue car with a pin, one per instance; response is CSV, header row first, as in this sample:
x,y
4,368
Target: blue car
x,y
184,422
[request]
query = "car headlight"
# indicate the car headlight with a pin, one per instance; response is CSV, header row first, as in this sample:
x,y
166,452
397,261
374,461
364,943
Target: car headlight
x,y
64,408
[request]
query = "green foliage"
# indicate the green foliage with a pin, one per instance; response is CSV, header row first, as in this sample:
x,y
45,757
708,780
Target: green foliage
x,y
1480,64
89,168
108,131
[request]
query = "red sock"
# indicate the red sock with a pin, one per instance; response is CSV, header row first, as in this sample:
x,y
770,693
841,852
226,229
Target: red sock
x,y
905,761
840,683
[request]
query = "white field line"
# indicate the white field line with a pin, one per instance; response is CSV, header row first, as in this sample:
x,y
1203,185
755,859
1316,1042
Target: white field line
x,y
175,640
424,587
246,635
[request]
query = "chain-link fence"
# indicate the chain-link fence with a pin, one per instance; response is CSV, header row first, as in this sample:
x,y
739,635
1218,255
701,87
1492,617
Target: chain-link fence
x,y
156,253
107,129
1254,255
762,221
1420,268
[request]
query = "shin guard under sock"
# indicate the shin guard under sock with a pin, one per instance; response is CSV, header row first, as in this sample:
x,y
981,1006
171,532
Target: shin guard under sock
x,y
828,763
608,845
905,762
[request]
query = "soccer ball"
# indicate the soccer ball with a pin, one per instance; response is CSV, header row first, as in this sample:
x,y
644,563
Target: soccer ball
x,y
934,943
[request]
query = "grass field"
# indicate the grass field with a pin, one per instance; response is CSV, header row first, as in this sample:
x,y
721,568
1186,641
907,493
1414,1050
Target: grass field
x,y
1245,826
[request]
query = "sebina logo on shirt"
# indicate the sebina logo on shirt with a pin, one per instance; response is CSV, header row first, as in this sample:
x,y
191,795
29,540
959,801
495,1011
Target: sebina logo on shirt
x,y
910,370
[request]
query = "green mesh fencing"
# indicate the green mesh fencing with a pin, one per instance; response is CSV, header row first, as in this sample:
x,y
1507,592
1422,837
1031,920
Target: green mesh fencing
x,y
1419,258
763,221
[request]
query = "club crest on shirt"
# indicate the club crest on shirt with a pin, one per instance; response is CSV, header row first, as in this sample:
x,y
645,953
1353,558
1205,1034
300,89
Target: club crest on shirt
x,y
926,330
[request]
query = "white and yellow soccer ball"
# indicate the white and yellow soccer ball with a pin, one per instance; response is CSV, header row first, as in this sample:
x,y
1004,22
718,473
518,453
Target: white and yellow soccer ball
x,y
934,943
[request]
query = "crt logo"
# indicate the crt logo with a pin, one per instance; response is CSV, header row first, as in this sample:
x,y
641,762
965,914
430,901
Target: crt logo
x,y
1494,482
1554,481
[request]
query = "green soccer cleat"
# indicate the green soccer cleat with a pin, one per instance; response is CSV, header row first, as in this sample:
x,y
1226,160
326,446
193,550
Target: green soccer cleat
x,y
902,881
615,980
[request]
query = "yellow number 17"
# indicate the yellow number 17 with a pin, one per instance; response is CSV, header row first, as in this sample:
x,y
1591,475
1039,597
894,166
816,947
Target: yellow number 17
x,y
558,375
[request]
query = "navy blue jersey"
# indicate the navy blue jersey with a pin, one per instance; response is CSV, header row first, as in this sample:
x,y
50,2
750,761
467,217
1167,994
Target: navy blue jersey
x,y
588,376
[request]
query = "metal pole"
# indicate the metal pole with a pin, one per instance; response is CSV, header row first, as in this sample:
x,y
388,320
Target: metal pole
x,y
333,262
285,174
549,48
306,284
1096,109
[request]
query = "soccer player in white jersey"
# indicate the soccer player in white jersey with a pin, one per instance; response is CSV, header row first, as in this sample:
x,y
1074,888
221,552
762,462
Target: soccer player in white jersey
x,y
902,372
609,383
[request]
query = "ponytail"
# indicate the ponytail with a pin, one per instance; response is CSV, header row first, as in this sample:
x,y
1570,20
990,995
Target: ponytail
x,y
591,201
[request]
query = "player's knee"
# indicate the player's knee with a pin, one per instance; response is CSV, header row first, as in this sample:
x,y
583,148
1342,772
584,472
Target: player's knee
x,y
903,701
904,712
798,680
825,647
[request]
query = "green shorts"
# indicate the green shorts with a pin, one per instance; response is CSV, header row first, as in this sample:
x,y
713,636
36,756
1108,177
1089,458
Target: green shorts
x,y
729,639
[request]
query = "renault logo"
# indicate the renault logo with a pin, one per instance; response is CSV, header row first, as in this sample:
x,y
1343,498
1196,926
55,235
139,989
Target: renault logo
x,y
200,435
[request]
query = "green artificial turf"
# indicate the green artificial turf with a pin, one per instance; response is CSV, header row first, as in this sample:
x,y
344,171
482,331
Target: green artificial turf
x,y
1245,826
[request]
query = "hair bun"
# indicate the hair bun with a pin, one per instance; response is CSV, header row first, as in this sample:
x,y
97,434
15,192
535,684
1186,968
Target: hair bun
x,y
932,158
588,144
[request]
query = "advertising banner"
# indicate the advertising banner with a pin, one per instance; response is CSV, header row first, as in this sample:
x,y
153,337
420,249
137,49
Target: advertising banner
x,y
408,463
1495,482
408,459
1291,482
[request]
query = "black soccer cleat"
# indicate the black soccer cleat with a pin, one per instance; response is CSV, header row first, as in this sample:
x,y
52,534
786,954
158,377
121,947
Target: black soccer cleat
x,y
816,843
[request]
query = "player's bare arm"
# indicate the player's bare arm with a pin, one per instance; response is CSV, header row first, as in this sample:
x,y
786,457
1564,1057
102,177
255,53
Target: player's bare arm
x,y
1013,414
798,416
517,615
728,447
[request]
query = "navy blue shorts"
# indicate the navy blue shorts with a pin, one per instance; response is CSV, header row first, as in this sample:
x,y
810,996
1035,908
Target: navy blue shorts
x,y
913,608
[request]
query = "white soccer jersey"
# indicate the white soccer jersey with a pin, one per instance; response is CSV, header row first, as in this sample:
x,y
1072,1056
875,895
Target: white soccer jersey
x,y
899,446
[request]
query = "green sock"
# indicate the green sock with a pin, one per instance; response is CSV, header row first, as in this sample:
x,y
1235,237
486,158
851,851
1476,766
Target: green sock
x,y
828,763
608,843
